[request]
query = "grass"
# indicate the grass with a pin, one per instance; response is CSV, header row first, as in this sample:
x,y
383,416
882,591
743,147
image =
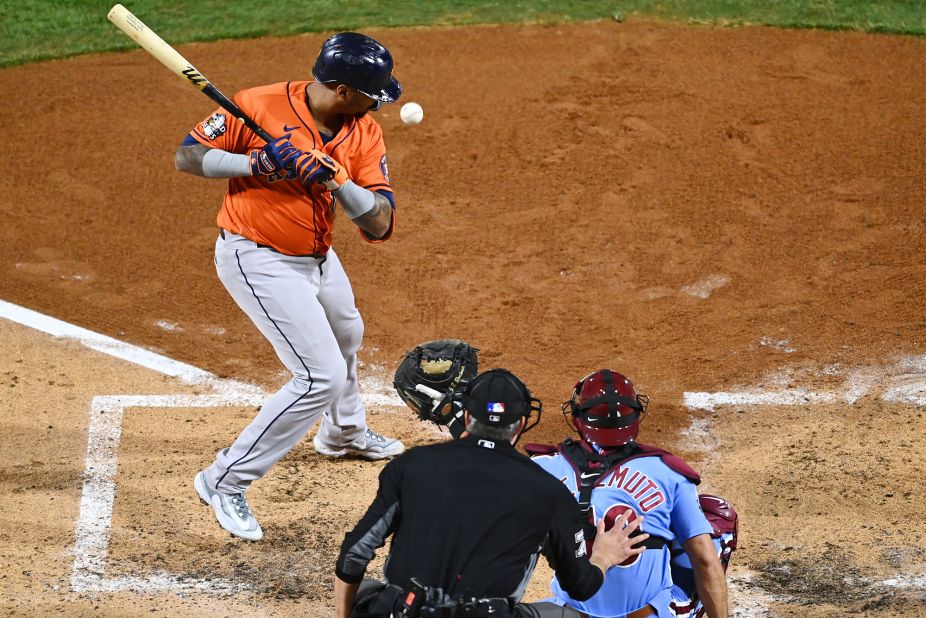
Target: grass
x,y
32,30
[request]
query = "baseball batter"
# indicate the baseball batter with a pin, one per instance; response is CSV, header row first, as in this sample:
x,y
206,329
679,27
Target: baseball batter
x,y
274,254
611,475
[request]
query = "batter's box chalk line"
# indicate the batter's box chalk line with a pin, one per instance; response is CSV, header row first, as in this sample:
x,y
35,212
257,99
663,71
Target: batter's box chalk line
x,y
94,520
903,382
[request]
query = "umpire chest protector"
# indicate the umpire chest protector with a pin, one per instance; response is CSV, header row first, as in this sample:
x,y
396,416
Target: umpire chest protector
x,y
590,466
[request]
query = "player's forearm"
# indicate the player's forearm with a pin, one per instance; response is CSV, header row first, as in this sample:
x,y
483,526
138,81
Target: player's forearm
x,y
344,595
712,589
376,221
211,162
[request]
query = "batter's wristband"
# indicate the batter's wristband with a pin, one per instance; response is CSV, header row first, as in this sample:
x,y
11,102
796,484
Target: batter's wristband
x,y
354,199
218,163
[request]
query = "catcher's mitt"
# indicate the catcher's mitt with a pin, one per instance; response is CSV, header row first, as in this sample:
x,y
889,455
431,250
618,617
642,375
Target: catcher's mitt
x,y
428,376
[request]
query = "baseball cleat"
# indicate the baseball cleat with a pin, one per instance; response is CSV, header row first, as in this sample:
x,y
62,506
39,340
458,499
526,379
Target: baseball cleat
x,y
231,510
370,445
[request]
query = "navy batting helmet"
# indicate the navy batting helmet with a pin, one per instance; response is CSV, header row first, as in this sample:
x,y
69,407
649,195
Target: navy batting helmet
x,y
360,62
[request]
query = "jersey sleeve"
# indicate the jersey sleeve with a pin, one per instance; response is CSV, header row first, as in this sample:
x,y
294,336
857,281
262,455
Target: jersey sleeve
x,y
373,169
687,519
565,549
381,520
372,173
222,130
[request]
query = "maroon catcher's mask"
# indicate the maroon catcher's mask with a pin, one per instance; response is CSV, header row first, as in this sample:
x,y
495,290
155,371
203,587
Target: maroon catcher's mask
x,y
605,409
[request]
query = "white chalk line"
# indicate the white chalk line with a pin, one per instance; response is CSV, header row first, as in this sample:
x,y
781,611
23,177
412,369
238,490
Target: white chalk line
x,y
188,374
94,521
901,382
704,287
790,397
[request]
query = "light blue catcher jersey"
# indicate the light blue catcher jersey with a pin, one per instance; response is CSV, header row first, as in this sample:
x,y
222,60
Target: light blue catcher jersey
x,y
669,503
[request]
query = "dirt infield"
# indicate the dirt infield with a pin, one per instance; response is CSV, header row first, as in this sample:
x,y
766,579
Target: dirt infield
x,y
707,210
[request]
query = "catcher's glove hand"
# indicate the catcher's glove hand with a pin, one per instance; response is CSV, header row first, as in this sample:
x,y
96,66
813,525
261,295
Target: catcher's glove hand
x,y
428,376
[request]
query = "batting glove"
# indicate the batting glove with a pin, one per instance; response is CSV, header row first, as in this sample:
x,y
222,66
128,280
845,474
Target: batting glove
x,y
337,175
272,158
309,170
315,167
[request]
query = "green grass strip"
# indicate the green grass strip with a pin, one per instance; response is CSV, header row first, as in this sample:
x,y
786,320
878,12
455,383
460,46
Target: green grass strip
x,y
32,30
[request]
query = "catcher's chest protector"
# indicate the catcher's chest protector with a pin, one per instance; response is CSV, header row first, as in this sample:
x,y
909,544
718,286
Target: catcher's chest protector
x,y
591,466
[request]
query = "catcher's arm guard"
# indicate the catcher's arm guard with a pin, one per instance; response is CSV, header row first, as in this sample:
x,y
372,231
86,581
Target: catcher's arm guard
x,y
428,376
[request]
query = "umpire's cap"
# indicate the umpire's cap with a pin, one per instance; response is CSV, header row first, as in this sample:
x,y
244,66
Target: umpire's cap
x,y
498,397
360,62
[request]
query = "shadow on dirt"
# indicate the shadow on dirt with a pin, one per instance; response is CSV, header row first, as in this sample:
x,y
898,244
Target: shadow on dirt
x,y
833,578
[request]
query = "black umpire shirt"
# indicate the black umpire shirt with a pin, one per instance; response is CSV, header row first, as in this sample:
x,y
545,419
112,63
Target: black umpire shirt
x,y
470,516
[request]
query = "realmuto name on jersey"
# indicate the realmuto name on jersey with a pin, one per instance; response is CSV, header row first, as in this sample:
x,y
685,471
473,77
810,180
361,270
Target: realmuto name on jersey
x,y
643,489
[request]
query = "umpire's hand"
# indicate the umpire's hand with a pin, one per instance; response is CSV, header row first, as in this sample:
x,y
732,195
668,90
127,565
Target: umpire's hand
x,y
614,546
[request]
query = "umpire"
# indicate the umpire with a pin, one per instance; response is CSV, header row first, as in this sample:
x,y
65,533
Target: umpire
x,y
468,519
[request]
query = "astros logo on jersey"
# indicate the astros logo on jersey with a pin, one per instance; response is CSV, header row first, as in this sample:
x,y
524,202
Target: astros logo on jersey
x,y
385,167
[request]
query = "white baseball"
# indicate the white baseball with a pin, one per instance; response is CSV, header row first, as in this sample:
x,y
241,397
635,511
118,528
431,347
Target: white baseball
x,y
411,113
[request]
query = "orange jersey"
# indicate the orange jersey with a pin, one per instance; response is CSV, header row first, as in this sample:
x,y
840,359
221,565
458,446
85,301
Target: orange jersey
x,y
276,211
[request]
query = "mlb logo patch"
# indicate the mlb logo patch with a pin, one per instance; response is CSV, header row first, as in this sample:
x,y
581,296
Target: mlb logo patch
x,y
495,407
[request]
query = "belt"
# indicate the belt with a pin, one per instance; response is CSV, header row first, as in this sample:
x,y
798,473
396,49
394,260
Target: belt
x,y
476,608
420,601
317,256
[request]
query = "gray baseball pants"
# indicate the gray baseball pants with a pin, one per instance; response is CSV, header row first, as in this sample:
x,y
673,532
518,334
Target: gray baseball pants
x,y
305,308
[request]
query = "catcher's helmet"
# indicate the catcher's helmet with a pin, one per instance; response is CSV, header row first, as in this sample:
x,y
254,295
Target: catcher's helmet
x,y
498,397
724,524
606,409
360,62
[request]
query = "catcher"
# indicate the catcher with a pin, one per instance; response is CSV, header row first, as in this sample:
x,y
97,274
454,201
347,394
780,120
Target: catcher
x,y
611,476
467,517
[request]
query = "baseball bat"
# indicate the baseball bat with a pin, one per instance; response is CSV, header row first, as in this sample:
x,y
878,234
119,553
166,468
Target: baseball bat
x,y
148,39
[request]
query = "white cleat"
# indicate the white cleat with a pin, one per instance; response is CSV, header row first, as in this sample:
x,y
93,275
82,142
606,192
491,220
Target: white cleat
x,y
231,510
370,445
